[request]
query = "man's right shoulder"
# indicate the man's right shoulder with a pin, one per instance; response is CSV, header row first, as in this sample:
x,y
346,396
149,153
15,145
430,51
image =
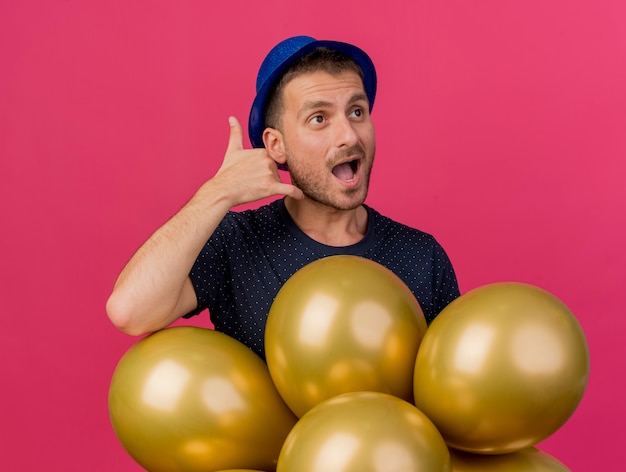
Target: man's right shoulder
x,y
268,214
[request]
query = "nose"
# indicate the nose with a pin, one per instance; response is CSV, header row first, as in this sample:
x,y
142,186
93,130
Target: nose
x,y
345,133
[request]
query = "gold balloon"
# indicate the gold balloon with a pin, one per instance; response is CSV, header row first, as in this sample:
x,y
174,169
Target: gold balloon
x,y
364,431
526,460
191,399
501,368
342,324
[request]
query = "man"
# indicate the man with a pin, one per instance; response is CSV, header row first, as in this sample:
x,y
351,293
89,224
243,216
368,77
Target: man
x,y
311,116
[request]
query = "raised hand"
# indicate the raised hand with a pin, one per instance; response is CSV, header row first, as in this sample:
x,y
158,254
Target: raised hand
x,y
248,175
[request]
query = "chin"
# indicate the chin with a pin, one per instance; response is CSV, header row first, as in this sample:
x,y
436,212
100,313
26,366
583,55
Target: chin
x,y
349,203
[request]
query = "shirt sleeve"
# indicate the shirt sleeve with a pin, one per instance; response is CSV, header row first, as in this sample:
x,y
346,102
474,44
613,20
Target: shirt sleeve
x,y
445,283
209,273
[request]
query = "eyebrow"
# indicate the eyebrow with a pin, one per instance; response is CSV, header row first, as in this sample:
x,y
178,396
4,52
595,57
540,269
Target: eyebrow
x,y
320,104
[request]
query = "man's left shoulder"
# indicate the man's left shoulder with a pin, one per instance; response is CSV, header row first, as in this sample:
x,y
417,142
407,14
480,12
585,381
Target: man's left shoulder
x,y
386,225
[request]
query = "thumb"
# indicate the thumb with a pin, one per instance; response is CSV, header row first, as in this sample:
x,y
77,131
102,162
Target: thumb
x,y
235,139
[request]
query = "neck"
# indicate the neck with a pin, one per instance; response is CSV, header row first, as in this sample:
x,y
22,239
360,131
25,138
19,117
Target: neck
x,y
328,225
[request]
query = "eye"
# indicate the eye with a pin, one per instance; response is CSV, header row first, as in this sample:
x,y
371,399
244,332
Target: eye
x,y
317,120
357,113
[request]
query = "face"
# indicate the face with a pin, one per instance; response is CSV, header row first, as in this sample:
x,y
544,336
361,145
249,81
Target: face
x,y
328,138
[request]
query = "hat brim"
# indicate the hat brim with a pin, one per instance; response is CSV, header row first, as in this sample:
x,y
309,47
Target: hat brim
x,y
256,121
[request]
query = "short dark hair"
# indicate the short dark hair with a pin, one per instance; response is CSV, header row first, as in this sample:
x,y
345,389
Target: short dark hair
x,y
322,59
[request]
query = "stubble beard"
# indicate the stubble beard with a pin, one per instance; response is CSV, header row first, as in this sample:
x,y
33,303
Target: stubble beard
x,y
315,191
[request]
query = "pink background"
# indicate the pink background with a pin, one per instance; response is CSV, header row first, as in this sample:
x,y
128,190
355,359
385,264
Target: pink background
x,y
501,130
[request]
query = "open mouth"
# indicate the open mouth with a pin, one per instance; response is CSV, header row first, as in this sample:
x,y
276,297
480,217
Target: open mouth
x,y
346,171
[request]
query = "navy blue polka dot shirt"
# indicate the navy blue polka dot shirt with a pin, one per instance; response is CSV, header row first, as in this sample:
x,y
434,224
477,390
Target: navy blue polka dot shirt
x,y
253,253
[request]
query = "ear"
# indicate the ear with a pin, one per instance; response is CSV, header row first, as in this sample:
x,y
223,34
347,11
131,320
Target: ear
x,y
274,145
